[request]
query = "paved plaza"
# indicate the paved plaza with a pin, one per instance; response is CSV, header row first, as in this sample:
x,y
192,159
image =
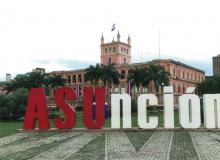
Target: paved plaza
x,y
149,145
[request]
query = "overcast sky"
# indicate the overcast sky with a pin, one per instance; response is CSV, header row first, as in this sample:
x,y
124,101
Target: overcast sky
x,y
62,35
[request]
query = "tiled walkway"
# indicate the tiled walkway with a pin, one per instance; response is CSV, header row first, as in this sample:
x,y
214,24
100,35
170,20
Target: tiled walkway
x,y
128,145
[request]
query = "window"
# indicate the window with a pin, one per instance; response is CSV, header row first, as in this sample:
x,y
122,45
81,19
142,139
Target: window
x,y
106,50
123,74
179,89
114,50
69,79
110,49
74,78
125,61
184,89
179,74
174,88
109,60
121,49
174,73
79,78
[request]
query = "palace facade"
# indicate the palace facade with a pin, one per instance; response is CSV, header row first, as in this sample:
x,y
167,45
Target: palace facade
x,y
181,75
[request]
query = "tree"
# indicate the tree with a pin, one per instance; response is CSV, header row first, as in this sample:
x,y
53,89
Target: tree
x,y
93,74
106,74
158,75
146,77
12,106
211,85
109,76
55,81
136,77
34,79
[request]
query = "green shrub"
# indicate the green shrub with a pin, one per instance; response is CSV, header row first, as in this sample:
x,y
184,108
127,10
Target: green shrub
x,y
12,106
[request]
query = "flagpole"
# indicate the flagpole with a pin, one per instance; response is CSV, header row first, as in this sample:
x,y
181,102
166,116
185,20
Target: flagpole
x,y
159,43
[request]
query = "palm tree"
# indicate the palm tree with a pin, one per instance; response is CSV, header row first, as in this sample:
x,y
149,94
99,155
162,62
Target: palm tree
x,y
139,77
10,87
146,77
55,81
34,79
93,74
52,82
136,77
158,75
28,81
109,76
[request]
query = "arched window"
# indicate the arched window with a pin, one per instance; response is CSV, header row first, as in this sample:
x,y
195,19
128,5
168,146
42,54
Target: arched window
x,y
69,79
80,78
123,75
74,78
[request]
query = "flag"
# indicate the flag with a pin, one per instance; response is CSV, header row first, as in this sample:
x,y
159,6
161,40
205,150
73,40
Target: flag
x,y
78,90
113,27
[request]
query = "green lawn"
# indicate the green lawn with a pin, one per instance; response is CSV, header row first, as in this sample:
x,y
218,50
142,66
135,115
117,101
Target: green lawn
x,y
7,128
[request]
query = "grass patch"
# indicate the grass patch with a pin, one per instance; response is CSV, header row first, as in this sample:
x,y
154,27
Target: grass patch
x,y
32,152
92,151
138,139
7,128
182,147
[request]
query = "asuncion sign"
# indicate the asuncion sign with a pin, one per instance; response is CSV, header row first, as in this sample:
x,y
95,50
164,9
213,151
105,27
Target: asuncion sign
x,y
189,109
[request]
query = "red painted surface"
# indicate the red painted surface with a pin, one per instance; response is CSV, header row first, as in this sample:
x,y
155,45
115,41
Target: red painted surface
x,y
61,95
36,110
87,108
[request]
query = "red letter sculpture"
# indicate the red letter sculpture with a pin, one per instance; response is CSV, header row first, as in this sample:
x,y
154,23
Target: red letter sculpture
x,y
36,110
99,108
61,95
